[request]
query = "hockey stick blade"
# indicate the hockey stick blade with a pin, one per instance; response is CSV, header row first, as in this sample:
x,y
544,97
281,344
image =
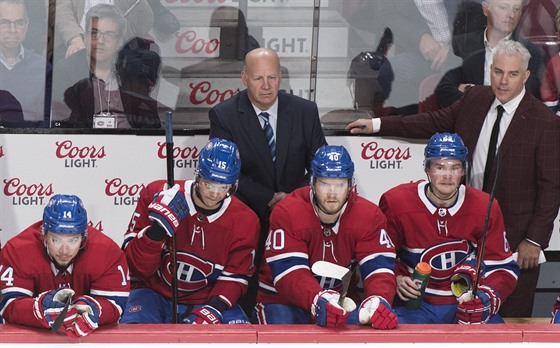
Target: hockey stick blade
x,y
60,319
332,270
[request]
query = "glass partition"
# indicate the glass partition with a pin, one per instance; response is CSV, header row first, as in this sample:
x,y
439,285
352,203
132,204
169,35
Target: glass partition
x,y
355,58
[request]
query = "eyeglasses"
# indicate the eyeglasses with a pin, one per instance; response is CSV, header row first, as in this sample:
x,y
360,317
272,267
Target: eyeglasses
x,y
109,36
18,24
219,188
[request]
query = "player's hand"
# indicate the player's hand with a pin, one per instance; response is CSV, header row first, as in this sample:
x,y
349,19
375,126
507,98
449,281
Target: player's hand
x,y
556,312
478,310
378,312
406,288
85,317
168,208
49,304
361,126
463,277
327,312
204,315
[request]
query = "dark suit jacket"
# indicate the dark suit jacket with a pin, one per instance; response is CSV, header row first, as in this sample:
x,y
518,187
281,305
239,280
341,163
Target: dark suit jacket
x,y
528,187
470,47
141,110
298,136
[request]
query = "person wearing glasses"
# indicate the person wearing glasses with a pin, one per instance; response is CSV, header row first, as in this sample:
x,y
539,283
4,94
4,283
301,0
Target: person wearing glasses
x,y
62,260
19,65
92,87
215,235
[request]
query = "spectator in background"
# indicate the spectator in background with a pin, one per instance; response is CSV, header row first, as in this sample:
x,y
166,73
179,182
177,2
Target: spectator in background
x,y
20,65
528,185
550,86
59,259
477,48
11,115
277,134
71,21
101,87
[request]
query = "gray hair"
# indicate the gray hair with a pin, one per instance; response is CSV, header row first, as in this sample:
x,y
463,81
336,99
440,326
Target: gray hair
x,y
18,2
106,11
513,48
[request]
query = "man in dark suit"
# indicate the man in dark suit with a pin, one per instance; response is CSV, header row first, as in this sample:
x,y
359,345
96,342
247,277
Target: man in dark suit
x,y
528,181
274,163
476,49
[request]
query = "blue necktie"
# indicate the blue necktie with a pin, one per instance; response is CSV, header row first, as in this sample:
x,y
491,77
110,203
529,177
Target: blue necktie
x,y
269,133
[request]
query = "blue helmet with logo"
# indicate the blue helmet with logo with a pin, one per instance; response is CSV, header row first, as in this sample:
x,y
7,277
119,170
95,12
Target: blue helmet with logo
x,y
332,161
219,161
446,145
65,214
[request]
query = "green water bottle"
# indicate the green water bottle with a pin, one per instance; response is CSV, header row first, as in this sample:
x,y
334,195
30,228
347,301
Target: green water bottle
x,y
420,277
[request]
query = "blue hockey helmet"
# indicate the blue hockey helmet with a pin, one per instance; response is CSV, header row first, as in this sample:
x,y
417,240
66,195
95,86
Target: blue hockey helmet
x,y
332,161
219,161
446,145
65,214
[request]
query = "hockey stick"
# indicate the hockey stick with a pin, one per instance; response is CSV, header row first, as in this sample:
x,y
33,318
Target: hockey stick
x,y
170,184
332,270
485,230
60,319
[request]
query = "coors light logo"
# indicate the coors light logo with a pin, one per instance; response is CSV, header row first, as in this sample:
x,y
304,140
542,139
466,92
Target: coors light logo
x,y
384,158
27,193
78,156
186,157
1,151
203,93
121,192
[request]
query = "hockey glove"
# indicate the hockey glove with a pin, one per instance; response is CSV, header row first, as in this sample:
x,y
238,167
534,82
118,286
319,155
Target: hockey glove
x,y
556,311
204,315
378,312
463,277
481,309
327,312
49,304
168,208
85,318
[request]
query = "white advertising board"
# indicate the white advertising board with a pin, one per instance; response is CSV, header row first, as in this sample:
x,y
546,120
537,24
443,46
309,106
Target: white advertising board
x,y
108,172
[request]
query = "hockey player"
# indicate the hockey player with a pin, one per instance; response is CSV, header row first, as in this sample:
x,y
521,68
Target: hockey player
x,y
216,236
327,221
556,311
61,259
441,221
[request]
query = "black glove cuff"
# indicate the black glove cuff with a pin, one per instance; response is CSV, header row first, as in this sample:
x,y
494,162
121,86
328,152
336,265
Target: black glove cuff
x,y
156,232
218,304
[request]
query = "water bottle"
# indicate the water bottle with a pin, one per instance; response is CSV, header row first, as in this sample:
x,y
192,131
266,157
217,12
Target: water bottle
x,y
420,277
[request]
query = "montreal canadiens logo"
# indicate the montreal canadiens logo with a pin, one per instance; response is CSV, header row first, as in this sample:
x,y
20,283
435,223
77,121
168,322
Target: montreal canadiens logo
x,y
192,271
444,257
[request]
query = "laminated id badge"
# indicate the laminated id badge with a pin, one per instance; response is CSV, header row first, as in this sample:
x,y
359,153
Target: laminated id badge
x,y
104,120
